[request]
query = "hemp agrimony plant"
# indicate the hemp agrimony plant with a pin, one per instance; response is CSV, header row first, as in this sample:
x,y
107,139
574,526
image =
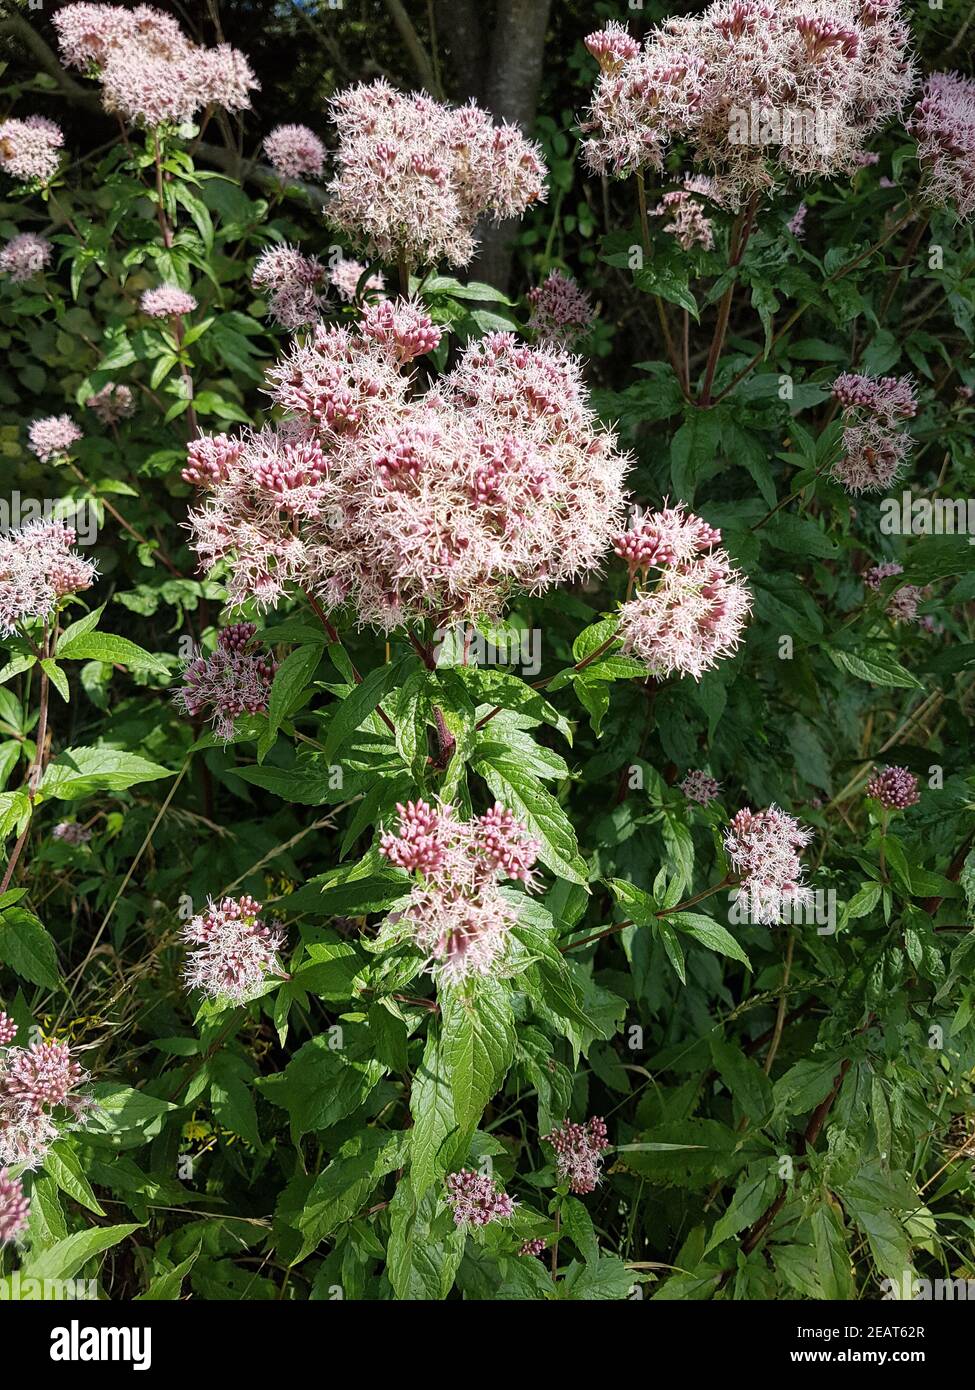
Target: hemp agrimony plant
x,y
485,802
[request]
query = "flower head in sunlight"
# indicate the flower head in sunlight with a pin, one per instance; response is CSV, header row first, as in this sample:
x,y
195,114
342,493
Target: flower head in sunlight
x,y
25,256
29,148
40,1097
295,152
414,175
231,949
234,679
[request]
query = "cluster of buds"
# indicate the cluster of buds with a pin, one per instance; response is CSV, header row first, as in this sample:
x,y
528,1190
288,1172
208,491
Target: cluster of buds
x,y
29,149
234,679
694,612
70,832
475,1201
25,256
533,1247
874,447
52,437
166,302
763,848
112,403
756,89
294,285
459,918
150,72
413,175
903,603
346,278
14,1207
560,310
579,1153
699,787
432,504
686,213
295,152
38,568
232,950
40,1097
943,123
895,788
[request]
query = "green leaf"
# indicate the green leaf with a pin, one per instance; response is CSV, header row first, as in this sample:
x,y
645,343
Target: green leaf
x,y
747,1084
343,1188
425,1246
105,646
231,1097
63,1260
121,1109
478,1044
330,971
78,772
168,1286
607,1278
875,667
57,678
63,1165
434,1121
710,933
832,1254
323,1082
290,681
527,799
28,948
359,704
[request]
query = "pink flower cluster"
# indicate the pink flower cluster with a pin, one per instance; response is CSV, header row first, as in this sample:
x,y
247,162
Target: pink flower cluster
x,y
166,302
235,679
457,914
29,148
151,74
579,1153
52,437
895,788
233,950
474,1199
752,86
903,604
39,1088
294,285
698,786
694,613
38,567
533,1247
875,576
560,311
797,222
14,1207
345,275
8,1029
874,448
413,175
763,848
25,256
419,504
112,403
943,123
688,222
295,152
71,833
892,398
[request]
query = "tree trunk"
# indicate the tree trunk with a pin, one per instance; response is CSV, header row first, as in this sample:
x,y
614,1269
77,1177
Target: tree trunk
x,y
497,59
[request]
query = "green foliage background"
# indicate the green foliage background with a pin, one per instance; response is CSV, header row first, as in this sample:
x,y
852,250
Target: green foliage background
x,y
790,1110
